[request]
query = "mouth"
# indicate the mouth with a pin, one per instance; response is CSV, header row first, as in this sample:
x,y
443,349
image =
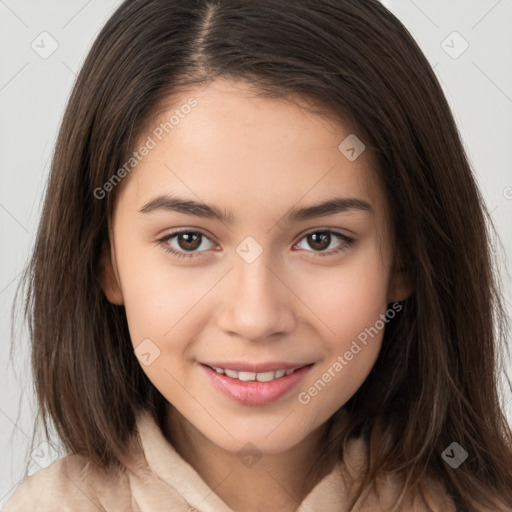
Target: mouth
x,y
248,376
251,384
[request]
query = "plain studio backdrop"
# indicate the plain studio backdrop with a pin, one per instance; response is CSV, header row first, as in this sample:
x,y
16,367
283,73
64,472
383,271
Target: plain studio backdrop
x,y
469,44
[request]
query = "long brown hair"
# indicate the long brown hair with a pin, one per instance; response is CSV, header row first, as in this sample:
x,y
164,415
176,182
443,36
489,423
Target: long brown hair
x,y
436,377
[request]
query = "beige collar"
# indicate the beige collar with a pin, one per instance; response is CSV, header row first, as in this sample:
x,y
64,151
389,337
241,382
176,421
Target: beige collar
x,y
168,465
331,494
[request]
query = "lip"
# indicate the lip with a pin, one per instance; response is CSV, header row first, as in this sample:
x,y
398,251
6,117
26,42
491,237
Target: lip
x,y
254,392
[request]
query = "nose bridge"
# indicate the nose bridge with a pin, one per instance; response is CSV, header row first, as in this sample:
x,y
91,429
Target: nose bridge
x,y
256,280
258,303
252,274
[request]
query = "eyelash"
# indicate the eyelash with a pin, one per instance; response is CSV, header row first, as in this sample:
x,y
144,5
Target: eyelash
x,y
346,243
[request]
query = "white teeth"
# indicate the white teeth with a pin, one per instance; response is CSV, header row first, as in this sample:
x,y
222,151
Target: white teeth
x,y
265,376
246,375
252,376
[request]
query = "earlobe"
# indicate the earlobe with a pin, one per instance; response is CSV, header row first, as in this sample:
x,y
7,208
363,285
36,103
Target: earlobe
x,y
108,278
400,285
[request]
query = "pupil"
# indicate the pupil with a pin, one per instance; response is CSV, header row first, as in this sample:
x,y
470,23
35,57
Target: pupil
x,y
319,240
188,245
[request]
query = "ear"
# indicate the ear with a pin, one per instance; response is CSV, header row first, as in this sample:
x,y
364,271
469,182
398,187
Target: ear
x,y
400,284
108,277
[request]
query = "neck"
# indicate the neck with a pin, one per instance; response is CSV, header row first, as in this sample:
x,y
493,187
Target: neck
x,y
276,481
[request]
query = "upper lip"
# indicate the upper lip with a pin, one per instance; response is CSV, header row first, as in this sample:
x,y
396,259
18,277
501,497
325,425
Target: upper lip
x,y
240,366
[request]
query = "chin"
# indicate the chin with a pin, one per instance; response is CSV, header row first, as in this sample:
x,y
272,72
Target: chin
x,y
259,442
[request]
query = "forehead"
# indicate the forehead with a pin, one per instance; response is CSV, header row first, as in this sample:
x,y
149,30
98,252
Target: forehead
x,y
224,142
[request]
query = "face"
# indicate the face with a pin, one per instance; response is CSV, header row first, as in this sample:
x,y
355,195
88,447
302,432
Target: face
x,y
243,281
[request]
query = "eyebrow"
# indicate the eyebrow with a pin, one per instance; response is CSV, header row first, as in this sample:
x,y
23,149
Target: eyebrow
x,y
190,207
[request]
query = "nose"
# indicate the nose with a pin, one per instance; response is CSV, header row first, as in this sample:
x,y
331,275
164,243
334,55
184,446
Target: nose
x,y
256,303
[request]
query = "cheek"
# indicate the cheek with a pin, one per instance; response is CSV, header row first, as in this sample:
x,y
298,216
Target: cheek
x,y
158,296
348,303
349,297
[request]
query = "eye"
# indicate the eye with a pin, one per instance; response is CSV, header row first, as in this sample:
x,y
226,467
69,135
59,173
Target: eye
x,y
186,242
320,240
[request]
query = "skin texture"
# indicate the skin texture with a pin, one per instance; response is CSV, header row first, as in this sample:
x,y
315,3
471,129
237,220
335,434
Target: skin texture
x,y
257,158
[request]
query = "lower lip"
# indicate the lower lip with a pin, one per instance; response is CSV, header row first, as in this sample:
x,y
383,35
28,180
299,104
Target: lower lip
x,y
254,392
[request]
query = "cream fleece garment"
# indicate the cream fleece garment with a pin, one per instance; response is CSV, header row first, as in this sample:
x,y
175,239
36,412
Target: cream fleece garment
x,y
161,480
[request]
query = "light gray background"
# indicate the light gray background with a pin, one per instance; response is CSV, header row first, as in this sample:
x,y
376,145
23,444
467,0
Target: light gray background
x,y
34,91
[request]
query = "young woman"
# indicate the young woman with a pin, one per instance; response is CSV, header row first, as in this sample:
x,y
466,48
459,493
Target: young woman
x,y
263,275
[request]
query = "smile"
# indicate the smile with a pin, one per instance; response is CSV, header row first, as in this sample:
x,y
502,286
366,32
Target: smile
x,y
250,376
255,388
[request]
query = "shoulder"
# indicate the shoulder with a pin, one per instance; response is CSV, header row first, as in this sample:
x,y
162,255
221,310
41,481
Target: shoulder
x,y
72,484
387,488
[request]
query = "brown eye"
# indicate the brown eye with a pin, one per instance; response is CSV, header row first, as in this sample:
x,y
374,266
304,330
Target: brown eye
x,y
319,241
189,241
186,243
